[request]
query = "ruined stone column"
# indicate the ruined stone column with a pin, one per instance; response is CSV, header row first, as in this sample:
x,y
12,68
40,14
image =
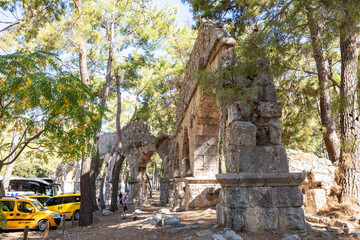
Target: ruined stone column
x,y
258,193
139,187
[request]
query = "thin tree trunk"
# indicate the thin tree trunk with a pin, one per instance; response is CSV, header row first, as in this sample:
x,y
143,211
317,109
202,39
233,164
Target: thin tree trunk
x,y
8,171
150,187
155,173
126,176
95,171
349,167
102,182
109,177
330,136
86,205
119,159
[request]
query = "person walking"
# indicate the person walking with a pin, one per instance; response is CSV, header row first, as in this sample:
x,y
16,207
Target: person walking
x,y
125,202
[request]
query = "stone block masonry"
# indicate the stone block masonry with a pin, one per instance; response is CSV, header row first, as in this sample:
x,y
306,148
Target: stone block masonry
x,y
261,202
257,191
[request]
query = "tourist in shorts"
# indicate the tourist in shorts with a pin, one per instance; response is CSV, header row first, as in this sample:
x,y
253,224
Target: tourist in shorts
x,y
125,202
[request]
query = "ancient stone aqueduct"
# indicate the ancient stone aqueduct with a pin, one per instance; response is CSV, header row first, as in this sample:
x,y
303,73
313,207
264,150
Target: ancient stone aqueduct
x,y
257,192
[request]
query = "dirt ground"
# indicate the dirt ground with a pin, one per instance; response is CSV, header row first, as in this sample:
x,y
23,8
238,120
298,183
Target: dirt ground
x,y
132,228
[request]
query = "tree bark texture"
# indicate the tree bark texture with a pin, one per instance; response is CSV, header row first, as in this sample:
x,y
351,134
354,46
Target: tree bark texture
x,y
119,159
349,167
95,168
330,136
102,182
86,205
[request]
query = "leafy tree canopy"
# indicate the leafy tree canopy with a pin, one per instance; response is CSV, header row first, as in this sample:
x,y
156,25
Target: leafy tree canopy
x,y
50,109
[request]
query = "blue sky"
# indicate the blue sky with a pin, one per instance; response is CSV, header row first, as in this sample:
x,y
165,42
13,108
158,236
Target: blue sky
x,y
184,15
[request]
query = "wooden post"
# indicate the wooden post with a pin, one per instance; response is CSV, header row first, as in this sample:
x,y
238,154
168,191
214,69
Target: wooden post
x,y
46,235
63,225
73,220
26,231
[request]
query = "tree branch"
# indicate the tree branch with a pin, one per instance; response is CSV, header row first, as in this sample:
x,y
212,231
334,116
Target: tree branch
x,y
11,25
21,150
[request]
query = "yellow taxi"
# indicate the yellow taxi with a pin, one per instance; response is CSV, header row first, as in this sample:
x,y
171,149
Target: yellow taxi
x,y
67,204
21,212
41,198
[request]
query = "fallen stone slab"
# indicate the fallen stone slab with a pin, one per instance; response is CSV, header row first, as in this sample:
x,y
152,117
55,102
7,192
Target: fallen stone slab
x,y
207,211
346,226
158,216
188,238
232,235
164,211
350,229
153,222
316,219
105,212
182,229
205,233
166,228
218,237
170,220
291,237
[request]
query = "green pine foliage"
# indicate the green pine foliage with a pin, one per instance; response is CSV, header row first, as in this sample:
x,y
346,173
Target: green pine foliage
x,y
278,30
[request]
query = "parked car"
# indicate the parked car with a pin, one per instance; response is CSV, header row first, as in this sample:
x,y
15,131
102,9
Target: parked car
x,y
21,212
67,204
41,198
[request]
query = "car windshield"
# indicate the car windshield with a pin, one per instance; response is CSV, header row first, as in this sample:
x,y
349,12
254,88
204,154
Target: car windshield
x,y
38,205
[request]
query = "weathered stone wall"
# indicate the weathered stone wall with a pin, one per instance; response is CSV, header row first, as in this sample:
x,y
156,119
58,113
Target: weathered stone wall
x,y
319,181
196,141
257,193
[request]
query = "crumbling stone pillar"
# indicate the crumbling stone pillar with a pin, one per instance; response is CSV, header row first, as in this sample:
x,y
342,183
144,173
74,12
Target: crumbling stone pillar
x,y
258,193
139,187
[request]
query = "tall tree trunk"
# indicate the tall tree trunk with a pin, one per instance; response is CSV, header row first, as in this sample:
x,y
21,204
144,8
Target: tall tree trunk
x,y
8,171
155,173
95,168
126,176
86,205
102,181
109,177
349,167
119,159
150,186
330,136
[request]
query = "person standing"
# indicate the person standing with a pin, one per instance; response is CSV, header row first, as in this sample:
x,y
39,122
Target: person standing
x,y
125,202
120,198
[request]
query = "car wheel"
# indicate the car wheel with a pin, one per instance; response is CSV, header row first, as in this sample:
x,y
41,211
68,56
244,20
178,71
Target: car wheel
x,y
77,215
41,226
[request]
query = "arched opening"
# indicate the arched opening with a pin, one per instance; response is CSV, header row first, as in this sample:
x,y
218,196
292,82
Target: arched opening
x,y
186,154
154,173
